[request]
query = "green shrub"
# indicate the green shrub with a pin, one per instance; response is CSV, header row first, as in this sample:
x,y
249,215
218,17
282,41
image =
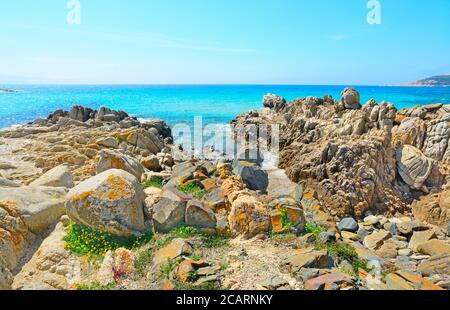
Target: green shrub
x,y
168,267
314,229
186,232
82,240
344,251
156,182
192,188
195,257
143,259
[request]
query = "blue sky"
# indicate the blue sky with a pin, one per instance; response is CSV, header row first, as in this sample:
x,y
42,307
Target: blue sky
x,y
223,41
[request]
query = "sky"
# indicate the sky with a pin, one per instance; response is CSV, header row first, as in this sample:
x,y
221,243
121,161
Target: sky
x,y
223,42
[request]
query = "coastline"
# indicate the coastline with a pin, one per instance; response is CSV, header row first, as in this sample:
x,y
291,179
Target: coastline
x,y
353,176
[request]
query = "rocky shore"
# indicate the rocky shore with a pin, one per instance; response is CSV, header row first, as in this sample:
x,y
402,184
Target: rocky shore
x,y
359,199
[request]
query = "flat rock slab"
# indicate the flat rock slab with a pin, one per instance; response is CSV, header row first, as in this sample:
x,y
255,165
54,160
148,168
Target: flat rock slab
x,y
38,206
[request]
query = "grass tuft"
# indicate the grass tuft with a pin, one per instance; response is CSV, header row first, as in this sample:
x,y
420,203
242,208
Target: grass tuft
x,y
192,188
156,182
314,229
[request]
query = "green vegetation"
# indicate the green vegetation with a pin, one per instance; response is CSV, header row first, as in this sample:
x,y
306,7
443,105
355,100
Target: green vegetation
x,y
225,266
193,189
314,229
344,251
82,240
156,182
285,219
168,267
96,287
195,257
143,259
186,232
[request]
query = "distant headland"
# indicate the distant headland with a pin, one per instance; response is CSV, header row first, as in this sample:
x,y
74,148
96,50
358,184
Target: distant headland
x,y
434,81
8,91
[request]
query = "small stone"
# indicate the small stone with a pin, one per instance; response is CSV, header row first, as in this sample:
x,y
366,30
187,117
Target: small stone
x,y
315,259
348,224
405,228
176,248
208,271
393,229
350,236
405,252
305,274
376,240
327,237
362,233
388,250
419,257
332,281
274,283
371,219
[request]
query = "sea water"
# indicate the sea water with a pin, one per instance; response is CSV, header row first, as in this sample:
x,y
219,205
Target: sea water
x,y
175,104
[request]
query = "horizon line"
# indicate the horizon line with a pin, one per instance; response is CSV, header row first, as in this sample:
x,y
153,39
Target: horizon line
x,y
209,84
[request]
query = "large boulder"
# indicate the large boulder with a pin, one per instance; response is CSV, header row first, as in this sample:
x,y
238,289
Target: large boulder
x,y
438,264
52,267
14,236
160,126
272,101
112,201
168,214
108,159
433,209
252,175
151,163
351,99
248,217
25,212
145,139
437,139
413,166
199,215
81,114
60,176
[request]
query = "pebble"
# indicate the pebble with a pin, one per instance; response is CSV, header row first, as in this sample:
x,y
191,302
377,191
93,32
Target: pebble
x,y
404,252
371,220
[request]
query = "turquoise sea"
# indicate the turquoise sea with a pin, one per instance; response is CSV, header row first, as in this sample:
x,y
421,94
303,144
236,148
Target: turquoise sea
x,y
217,104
